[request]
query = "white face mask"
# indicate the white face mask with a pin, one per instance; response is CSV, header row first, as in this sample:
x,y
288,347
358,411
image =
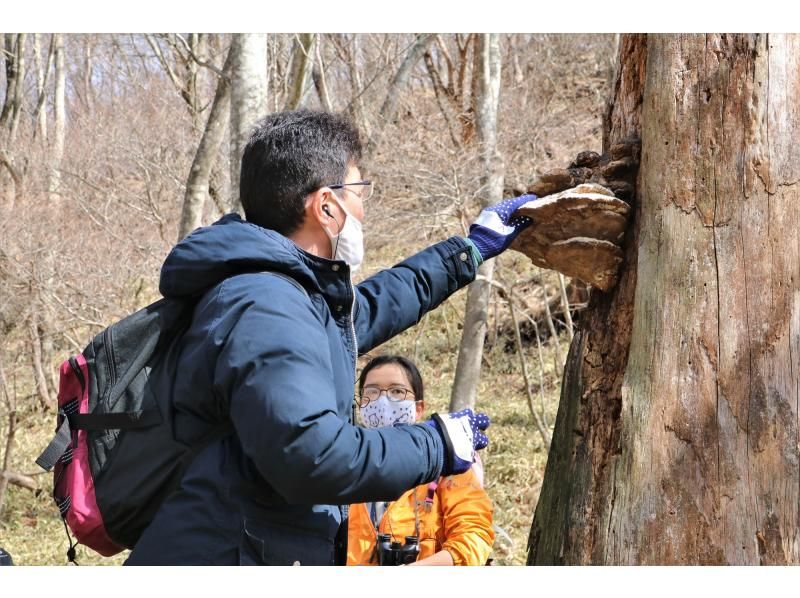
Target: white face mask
x,y
348,245
383,412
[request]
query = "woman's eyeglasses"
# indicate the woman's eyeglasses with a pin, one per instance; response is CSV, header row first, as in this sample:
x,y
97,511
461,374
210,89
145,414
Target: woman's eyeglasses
x,y
394,393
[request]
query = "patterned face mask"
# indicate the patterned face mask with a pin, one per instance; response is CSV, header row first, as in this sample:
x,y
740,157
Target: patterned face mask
x,y
383,412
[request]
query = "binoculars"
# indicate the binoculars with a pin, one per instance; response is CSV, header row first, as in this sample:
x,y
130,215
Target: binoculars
x,y
394,553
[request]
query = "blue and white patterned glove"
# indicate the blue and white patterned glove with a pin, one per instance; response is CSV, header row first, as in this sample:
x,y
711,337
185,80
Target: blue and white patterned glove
x,y
495,229
462,434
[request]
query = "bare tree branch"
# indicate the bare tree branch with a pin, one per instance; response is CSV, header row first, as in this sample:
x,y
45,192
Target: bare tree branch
x,y
204,63
540,425
163,61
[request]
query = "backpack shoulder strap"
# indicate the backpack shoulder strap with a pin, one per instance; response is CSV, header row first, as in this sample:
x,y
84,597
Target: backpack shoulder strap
x,y
288,279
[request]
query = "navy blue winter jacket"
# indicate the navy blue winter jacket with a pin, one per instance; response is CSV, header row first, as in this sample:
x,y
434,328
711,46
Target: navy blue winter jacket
x,y
281,361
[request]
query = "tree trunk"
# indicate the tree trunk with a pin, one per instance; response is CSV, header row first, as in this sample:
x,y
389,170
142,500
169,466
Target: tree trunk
x,y
470,351
10,60
15,83
15,197
60,120
197,184
686,452
318,74
46,401
42,75
356,107
248,55
389,107
302,62
9,449
197,43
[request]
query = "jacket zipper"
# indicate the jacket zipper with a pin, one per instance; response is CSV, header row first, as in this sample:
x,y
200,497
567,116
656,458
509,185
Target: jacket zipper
x,y
353,330
355,348
344,510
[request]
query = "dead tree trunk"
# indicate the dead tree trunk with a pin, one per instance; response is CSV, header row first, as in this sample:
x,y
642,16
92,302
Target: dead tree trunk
x,y
676,436
470,351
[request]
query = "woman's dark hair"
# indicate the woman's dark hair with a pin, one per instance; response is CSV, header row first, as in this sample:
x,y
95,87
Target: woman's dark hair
x,y
289,155
411,371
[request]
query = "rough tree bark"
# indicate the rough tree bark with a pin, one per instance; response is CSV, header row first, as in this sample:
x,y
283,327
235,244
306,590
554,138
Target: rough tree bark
x,y
248,56
676,440
487,100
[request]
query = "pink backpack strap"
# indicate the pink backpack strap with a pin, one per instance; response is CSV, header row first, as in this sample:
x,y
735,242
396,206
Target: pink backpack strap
x,y
431,492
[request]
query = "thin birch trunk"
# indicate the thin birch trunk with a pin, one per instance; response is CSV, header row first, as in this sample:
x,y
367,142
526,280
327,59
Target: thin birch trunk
x,y
60,118
248,99
470,352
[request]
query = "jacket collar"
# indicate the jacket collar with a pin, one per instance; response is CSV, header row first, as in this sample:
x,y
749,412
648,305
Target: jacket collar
x,y
234,246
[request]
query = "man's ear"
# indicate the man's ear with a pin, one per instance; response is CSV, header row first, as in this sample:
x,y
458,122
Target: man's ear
x,y
320,208
420,407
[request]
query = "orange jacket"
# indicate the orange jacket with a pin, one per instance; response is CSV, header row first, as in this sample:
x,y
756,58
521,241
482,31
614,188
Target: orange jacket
x,y
459,521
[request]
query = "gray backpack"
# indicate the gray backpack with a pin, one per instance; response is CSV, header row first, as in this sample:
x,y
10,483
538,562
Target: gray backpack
x,y
114,455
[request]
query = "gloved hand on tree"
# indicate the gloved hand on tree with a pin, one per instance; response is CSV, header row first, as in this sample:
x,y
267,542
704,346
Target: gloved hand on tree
x,y
497,227
462,434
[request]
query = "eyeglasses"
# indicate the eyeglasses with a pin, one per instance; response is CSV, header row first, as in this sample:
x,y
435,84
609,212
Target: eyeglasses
x,y
372,393
365,194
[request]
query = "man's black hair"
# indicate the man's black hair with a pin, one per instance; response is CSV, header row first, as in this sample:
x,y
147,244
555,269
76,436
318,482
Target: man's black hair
x,y
289,155
414,377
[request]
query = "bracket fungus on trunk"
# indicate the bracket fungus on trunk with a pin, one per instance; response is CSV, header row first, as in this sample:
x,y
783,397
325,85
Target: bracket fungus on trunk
x,y
577,232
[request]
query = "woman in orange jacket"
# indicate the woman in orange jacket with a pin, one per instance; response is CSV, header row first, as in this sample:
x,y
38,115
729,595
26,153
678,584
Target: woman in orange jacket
x,y
451,517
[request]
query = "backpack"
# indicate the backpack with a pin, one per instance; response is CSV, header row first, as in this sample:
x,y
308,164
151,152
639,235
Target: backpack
x,y
114,457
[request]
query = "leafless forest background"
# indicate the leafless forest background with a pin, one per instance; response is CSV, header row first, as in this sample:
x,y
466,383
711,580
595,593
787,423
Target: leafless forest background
x,y
97,138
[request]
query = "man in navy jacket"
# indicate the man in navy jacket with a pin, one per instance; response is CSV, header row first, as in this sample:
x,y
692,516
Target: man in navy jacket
x,y
273,343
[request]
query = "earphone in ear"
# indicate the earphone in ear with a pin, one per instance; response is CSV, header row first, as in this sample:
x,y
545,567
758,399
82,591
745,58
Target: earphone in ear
x,y
327,210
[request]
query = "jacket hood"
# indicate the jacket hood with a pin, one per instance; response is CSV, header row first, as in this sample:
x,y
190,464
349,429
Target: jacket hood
x,y
233,246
